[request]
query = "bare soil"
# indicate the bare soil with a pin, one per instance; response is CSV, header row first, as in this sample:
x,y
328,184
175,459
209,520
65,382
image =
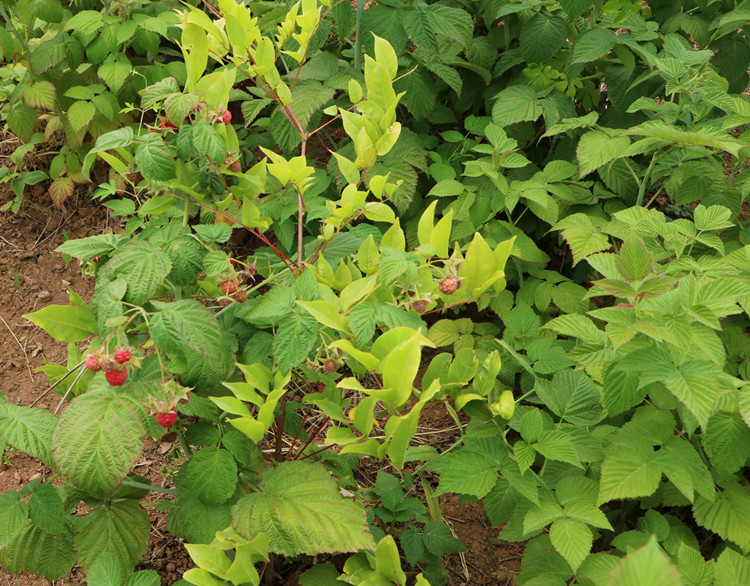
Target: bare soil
x,y
33,276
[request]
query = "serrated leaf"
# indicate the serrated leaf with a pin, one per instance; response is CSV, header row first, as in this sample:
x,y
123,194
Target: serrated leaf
x,y
468,473
121,530
648,565
517,103
572,396
42,94
727,442
80,114
572,539
36,552
211,474
28,429
142,266
14,516
592,45
439,540
208,142
542,37
115,70
597,148
557,445
153,159
196,521
97,440
178,106
294,340
707,136
629,473
300,507
46,509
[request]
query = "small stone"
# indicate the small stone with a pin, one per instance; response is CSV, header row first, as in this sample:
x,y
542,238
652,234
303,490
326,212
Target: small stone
x,y
171,567
44,295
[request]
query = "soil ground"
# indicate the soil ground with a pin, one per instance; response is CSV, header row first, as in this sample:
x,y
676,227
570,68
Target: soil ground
x,y
33,276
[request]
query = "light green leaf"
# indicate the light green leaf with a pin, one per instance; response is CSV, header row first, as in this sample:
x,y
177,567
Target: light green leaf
x,y
648,565
153,159
597,148
211,474
592,45
517,103
28,429
629,473
572,539
97,440
300,507
66,323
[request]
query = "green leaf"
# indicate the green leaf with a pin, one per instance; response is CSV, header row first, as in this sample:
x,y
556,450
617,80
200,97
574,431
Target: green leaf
x,y
105,571
517,103
98,439
192,336
300,507
575,8
572,539
634,261
592,45
46,10
211,474
522,321
66,323
28,429
572,396
468,472
439,540
557,445
294,340
46,509
542,37
80,114
597,148
40,95
14,516
707,136
121,530
153,159
35,552
648,565
142,266
453,23
417,26
208,142
196,521
629,473
727,442
115,70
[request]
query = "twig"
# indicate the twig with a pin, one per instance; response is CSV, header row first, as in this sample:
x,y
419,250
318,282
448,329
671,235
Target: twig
x,y
61,379
26,356
70,388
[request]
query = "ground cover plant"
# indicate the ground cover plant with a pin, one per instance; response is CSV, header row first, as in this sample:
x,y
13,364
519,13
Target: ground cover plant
x,y
532,214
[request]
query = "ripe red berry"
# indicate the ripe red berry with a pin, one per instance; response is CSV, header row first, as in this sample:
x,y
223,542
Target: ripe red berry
x,y
116,377
226,117
449,285
95,259
229,287
122,356
92,363
166,419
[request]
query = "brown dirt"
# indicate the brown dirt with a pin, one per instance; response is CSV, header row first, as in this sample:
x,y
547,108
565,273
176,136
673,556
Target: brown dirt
x,y
33,276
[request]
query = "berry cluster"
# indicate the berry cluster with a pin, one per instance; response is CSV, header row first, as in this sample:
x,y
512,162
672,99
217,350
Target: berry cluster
x,y
114,367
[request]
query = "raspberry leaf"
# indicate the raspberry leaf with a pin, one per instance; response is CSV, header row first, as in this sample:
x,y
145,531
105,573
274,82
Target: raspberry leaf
x,y
112,425
301,508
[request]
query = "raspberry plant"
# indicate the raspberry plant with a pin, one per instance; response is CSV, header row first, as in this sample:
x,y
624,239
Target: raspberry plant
x,y
590,348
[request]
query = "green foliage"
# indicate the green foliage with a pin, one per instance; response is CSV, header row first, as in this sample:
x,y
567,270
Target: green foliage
x,y
489,236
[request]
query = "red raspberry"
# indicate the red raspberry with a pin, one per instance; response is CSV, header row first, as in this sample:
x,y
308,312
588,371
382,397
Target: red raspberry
x,y
116,377
419,306
168,419
226,117
122,356
229,287
95,259
92,363
449,285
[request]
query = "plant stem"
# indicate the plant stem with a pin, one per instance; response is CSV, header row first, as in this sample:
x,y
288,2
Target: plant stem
x,y
645,180
152,487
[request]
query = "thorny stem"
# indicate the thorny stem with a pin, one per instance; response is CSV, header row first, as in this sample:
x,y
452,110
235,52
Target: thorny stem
x,y
280,427
312,437
61,379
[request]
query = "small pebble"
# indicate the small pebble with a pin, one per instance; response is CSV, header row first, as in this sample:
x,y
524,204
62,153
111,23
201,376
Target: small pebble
x,y
44,295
